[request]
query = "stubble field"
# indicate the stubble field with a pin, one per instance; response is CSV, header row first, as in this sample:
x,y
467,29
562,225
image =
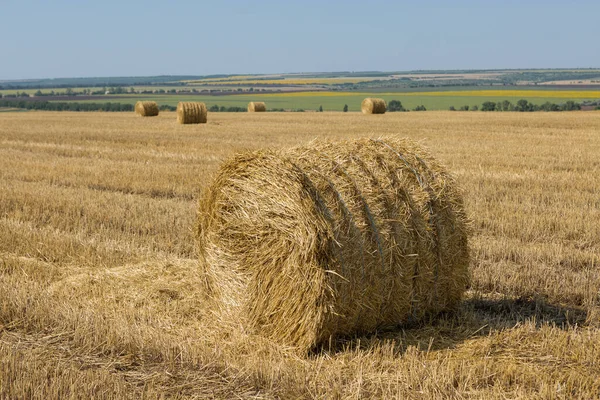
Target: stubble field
x,y
99,285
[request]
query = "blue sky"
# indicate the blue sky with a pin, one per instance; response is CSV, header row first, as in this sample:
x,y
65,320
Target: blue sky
x,y
68,38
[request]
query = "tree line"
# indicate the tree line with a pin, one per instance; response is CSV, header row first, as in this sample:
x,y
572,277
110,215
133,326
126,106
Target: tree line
x,y
522,105
216,108
64,106
393,106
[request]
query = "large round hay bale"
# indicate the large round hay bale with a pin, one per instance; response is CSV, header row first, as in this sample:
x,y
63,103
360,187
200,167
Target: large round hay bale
x,y
257,106
146,108
332,239
191,113
372,105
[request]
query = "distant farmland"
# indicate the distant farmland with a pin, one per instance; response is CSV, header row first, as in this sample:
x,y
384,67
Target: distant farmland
x,y
335,101
436,90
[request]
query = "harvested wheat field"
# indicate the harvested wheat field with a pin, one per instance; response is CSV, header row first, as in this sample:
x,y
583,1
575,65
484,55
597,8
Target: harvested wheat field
x,y
101,290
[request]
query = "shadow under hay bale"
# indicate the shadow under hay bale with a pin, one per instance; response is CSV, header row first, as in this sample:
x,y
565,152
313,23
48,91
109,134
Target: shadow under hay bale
x,y
191,113
332,239
373,106
146,108
257,106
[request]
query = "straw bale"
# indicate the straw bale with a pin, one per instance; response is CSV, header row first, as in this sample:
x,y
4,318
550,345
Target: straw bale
x,y
373,106
146,108
332,239
191,113
257,106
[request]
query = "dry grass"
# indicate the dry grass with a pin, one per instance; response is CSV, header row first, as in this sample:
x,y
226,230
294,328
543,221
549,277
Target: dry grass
x,y
99,282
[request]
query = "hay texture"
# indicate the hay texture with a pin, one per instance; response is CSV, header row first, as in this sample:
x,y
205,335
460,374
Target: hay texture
x,y
191,113
146,108
332,239
257,106
371,105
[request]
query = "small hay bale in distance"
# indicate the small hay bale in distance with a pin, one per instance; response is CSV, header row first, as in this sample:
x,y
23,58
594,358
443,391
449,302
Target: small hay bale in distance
x,y
146,108
372,105
257,106
332,239
191,113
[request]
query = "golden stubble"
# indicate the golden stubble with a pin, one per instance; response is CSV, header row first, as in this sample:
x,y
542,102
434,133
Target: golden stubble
x,y
100,291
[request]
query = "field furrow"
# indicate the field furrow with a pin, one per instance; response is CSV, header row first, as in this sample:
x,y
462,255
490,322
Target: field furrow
x,y
100,287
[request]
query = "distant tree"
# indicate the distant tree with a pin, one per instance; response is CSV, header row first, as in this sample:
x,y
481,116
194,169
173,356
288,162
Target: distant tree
x,y
420,108
464,108
165,107
507,106
395,105
523,106
451,108
131,90
498,106
345,107
39,93
237,109
223,109
69,92
488,106
214,108
320,108
475,108
547,106
571,106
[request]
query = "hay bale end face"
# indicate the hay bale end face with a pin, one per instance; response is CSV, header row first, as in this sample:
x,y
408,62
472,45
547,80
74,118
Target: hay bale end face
x,y
191,113
332,239
146,108
257,106
372,105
